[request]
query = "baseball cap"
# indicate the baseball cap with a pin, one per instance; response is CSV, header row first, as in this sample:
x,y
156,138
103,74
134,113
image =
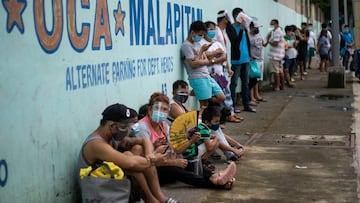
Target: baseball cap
x,y
119,113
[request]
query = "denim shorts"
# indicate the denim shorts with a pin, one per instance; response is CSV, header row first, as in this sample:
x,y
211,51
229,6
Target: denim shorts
x,y
205,88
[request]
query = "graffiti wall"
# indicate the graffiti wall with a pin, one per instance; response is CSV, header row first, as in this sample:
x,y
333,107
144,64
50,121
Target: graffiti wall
x,y
64,61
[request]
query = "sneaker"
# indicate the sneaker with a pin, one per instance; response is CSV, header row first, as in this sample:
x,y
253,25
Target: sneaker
x,y
237,110
249,109
295,73
305,73
233,158
216,156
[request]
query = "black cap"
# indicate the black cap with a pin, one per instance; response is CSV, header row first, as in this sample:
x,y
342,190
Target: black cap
x,y
119,113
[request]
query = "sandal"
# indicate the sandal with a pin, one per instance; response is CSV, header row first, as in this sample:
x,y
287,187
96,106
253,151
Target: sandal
x,y
233,119
171,200
239,117
261,100
252,103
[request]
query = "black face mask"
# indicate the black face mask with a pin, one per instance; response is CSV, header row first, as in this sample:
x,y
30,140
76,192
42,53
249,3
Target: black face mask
x,y
181,97
120,134
256,31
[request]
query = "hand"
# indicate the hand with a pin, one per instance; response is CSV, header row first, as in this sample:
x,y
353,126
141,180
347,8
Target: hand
x,y
205,47
230,72
182,163
195,137
156,158
161,149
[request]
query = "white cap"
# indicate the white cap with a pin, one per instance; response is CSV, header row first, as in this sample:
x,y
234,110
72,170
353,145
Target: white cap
x,y
256,24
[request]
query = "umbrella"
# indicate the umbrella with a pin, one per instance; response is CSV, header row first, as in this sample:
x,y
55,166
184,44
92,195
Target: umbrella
x,y
180,127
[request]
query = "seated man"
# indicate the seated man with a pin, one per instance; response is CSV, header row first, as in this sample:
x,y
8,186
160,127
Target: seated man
x,y
139,161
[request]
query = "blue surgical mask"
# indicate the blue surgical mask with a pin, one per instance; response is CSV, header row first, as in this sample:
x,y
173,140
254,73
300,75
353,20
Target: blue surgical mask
x,y
135,129
197,38
158,116
215,127
346,30
211,34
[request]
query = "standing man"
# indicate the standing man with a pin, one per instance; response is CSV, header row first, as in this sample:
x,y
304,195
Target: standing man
x,y
276,53
311,44
346,46
196,62
240,58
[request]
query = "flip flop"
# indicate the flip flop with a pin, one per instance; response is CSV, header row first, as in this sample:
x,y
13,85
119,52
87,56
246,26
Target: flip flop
x,y
233,119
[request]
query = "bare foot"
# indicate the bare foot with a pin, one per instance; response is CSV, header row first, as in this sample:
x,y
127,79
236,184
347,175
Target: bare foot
x,y
224,176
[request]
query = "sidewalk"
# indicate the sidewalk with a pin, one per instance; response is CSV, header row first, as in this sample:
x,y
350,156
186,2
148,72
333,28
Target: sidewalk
x,y
300,148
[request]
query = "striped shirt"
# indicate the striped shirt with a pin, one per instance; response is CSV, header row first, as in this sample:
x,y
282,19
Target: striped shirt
x,y
277,52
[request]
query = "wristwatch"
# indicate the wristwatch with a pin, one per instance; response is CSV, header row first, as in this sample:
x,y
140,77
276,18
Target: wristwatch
x,y
212,60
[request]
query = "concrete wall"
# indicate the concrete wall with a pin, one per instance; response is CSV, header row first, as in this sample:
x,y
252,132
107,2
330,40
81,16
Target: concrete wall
x,y
63,62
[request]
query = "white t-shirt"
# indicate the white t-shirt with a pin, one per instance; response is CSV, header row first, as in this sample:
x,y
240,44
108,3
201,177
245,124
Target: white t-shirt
x,y
311,40
291,52
256,46
189,51
214,68
220,37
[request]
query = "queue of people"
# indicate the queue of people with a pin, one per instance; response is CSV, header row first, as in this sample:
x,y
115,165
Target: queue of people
x,y
139,143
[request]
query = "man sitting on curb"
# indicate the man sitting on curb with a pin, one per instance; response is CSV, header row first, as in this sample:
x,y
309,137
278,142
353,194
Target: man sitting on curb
x,y
139,161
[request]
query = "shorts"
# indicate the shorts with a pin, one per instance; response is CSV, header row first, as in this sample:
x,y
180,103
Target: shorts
x,y
205,88
276,66
324,56
311,52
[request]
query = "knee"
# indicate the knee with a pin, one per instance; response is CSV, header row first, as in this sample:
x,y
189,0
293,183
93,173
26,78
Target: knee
x,y
137,150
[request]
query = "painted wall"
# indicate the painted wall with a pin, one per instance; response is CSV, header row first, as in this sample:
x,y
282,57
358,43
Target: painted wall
x,y
64,61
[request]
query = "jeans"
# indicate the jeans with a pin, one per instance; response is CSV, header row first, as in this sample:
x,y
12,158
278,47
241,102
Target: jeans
x,y
290,65
228,99
346,58
241,71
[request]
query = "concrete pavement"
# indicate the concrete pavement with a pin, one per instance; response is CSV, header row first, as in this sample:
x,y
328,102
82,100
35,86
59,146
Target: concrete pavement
x,y
301,147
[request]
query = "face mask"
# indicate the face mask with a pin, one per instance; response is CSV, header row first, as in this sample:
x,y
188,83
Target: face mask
x,y
271,28
211,34
215,127
135,129
158,116
196,38
181,97
121,134
346,30
309,28
256,31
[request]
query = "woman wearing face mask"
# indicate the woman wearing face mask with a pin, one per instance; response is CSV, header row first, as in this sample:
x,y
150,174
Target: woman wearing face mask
x,y
154,127
256,47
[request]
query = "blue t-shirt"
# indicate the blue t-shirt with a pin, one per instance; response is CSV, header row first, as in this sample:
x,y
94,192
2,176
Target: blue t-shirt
x,y
244,50
347,37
